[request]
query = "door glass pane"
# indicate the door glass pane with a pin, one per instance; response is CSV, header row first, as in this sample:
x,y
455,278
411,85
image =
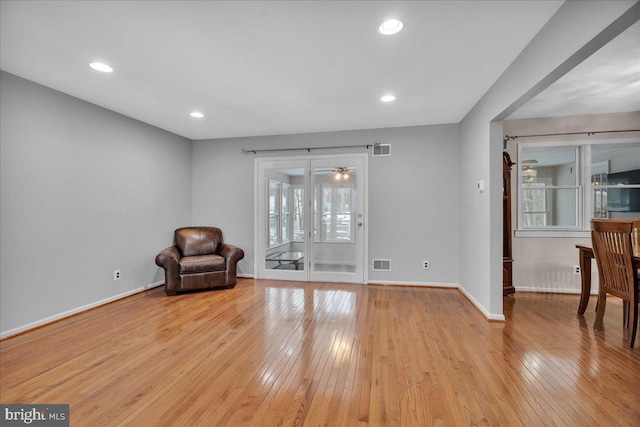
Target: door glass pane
x,y
285,222
335,215
298,213
285,249
336,221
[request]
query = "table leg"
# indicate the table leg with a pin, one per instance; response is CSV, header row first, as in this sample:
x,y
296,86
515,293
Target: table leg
x,y
585,278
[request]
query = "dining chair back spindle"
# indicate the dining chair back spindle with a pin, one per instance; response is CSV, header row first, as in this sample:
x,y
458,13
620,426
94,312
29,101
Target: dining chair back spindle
x,y
613,248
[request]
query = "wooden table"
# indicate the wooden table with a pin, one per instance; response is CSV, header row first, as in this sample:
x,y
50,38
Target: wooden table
x,y
586,255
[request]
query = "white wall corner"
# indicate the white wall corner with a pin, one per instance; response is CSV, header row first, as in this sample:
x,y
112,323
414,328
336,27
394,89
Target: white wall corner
x,y
484,311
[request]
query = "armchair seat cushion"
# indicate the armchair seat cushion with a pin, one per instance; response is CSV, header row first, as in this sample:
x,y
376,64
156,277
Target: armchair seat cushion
x,y
201,264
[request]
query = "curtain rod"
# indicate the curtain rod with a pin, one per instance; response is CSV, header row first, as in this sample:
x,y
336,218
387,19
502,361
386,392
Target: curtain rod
x,y
308,149
506,138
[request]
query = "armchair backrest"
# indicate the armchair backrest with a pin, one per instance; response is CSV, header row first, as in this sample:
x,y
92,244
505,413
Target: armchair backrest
x,y
194,241
612,245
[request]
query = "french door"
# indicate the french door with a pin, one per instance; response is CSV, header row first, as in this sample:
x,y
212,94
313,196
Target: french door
x,y
311,218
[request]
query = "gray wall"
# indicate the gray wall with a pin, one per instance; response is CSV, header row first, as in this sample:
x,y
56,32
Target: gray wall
x,y
85,191
413,195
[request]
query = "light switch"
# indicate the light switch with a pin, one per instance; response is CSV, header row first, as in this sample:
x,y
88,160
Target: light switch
x,y
480,186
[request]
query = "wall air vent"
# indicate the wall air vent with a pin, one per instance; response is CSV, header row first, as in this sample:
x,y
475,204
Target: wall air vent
x,y
381,265
382,150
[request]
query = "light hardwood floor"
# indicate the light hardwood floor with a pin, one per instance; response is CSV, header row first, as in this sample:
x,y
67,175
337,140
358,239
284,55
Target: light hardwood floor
x,y
271,353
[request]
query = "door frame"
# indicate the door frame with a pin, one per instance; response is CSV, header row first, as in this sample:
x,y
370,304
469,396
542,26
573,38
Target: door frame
x,y
258,238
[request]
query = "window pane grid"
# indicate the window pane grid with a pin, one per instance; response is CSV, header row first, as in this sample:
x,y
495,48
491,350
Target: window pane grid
x,y
606,186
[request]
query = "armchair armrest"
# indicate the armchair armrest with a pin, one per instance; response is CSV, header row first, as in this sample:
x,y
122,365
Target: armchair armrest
x,y
169,259
169,256
231,254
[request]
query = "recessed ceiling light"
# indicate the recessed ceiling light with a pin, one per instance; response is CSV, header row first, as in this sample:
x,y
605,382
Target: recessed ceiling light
x,y
390,26
197,114
99,66
388,98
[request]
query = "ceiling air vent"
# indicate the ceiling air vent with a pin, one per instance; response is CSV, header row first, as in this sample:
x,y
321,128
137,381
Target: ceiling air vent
x,y
382,149
381,265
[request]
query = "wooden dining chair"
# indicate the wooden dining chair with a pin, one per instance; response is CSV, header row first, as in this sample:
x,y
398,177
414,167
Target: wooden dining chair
x,y
613,249
635,242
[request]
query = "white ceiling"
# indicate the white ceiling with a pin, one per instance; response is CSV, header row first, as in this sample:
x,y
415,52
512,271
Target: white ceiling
x,y
264,67
606,82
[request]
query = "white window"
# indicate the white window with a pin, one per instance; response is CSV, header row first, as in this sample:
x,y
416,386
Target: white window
x,y
561,187
549,187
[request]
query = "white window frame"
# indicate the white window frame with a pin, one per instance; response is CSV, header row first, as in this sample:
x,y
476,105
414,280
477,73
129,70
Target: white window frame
x,y
554,230
277,213
583,173
548,203
282,212
285,213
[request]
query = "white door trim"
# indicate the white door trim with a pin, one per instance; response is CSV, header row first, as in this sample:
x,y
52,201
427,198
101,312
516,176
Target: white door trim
x,y
260,204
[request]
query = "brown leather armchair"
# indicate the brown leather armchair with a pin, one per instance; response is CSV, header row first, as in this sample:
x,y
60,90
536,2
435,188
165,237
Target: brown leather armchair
x,y
199,259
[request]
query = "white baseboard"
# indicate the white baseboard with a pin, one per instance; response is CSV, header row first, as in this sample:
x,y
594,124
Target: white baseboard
x,y
154,285
77,310
485,313
472,300
552,290
246,275
425,284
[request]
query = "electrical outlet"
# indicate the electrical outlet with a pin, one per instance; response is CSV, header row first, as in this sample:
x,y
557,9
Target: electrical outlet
x,y
425,265
576,270
117,275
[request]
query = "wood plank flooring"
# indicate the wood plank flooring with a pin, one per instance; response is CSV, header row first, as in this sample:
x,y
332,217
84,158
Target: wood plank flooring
x,y
271,353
